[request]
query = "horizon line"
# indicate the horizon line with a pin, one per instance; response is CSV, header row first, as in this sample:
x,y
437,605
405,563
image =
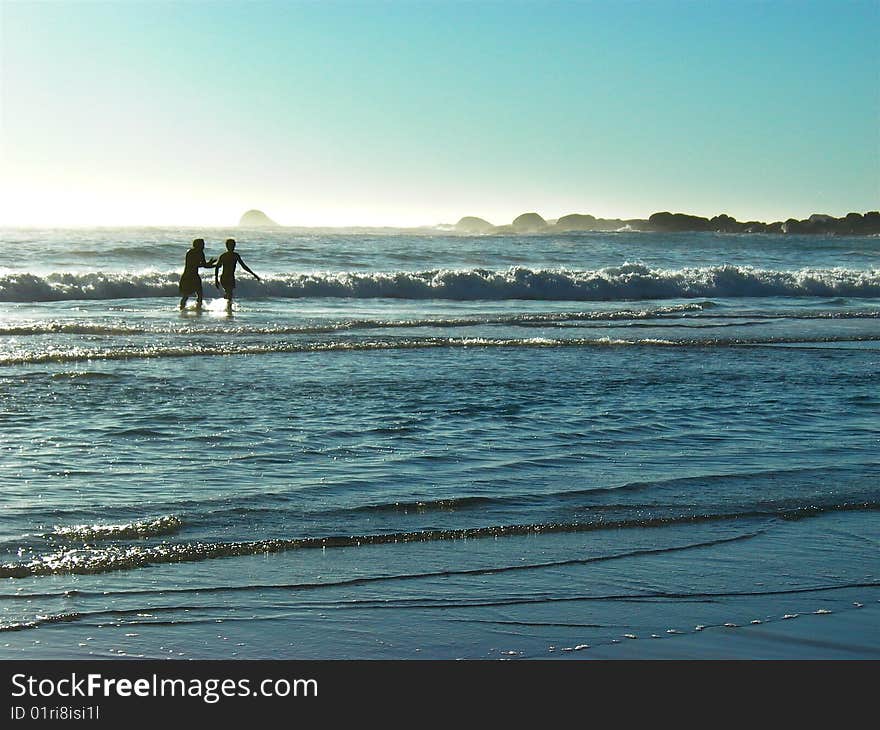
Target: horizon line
x,y
380,226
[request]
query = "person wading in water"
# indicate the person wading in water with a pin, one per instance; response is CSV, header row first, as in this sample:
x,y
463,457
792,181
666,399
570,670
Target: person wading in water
x,y
228,261
190,281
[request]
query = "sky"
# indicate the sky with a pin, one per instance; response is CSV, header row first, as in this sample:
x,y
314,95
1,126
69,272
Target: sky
x,y
412,112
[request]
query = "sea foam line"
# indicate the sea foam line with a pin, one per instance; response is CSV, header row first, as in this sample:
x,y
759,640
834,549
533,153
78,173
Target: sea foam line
x,y
681,315
78,354
88,328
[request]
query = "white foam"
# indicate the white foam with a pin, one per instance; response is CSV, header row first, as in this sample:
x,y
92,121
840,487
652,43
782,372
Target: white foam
x,y
626,282
142,528
149,352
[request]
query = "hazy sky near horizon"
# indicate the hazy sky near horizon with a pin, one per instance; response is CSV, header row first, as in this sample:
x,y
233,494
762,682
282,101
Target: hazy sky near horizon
x,y
187,112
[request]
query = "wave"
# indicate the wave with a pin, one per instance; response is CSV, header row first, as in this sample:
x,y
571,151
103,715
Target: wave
x,y
67,328
271,500
143,528
70,286
80,354
91,560
41,620
155,610
84,375
626,282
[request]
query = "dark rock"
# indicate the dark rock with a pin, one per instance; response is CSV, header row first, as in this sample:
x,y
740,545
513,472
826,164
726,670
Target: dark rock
x,y
678,222
576,222
726,224
853,224
861,225
871,223
585,222
821,223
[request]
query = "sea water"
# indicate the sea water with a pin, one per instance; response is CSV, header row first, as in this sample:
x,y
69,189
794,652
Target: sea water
x,y
428,445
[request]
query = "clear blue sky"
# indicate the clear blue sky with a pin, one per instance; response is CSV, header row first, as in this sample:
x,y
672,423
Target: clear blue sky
x,y
407,113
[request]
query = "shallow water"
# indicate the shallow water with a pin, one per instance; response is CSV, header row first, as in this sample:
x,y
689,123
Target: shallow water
x,y
440,446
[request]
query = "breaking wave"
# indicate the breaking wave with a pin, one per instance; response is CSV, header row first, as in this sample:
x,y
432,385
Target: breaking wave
x,y
40,620
626,282
143,528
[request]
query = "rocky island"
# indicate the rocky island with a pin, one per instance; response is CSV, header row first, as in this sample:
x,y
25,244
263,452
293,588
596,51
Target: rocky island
x,y
471,224
256,219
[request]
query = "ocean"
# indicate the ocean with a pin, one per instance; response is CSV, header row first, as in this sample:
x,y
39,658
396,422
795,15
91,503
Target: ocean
x,y
425,445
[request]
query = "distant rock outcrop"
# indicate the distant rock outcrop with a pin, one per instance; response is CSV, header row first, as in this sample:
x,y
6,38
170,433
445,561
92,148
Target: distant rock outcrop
x,y
852,224
674,222
726,224
472,224
528,223
576,222
256,219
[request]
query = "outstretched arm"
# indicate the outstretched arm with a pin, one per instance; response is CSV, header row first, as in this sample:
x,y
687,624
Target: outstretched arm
x,y
245,267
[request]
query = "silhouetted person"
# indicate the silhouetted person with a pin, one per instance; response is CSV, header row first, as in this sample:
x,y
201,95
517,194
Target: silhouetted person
x,y
190,281
227,262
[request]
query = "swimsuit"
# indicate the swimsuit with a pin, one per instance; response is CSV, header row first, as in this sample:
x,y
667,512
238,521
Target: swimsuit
x,y
190,284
